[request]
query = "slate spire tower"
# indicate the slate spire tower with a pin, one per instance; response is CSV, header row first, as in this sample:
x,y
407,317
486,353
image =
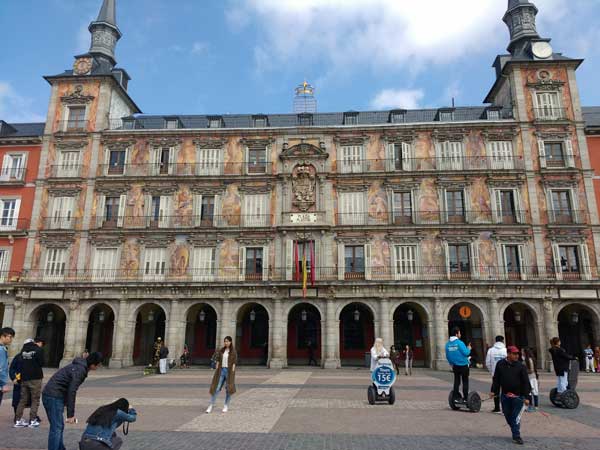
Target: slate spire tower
x,y
105,34
520,19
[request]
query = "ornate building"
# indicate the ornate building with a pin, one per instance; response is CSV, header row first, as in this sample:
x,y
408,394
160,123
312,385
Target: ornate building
x,y
317,230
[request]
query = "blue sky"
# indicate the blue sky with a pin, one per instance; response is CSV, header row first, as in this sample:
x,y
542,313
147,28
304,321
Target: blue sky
x,y
246,56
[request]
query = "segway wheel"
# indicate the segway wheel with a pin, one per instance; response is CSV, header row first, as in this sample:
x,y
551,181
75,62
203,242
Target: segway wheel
x,y
554,397
452,401
570,399
371,395
392,396
474,402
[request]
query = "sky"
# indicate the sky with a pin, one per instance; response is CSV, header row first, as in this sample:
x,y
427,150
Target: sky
x,y
247,56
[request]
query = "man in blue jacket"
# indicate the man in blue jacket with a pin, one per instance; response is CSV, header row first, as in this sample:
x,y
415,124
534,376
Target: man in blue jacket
x,y
457,354
6,337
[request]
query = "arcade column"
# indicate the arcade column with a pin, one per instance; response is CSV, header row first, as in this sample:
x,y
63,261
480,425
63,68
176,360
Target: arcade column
x,y
122,338
277,349
332,338
441,335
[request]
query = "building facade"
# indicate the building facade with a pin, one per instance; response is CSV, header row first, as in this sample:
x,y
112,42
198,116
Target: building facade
x,y
313,230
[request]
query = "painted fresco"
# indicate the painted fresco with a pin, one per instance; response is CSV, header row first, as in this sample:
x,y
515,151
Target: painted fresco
x,y
52,158
139,158
377,203
376,153
429,209
380,257
475,147
234,156
432,253
229,259
37,256
480,202
73,256
179,259
44,209
542,204
231,206
424,152
130,261
182,207
90,88
488,258
134,209
186,158
556,73
548,257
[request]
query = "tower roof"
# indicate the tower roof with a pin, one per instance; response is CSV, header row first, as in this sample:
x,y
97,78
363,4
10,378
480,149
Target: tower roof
x,y
512,4
108,13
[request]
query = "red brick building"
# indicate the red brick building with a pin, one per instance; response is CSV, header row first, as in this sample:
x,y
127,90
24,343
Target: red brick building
x,y
592,130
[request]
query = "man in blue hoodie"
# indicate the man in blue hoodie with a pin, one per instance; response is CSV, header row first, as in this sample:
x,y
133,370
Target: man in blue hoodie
x,y
6,337
457,354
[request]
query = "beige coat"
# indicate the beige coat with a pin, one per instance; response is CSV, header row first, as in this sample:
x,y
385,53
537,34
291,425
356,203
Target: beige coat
x,y
231,376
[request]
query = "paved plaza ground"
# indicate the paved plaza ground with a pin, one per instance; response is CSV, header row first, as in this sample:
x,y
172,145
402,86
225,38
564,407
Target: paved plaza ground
x,y
308,408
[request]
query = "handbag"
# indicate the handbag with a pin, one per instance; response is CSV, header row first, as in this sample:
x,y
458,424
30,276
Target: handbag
x,y
214,360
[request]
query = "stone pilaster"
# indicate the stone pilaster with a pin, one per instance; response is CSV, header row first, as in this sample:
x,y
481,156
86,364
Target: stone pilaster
x,y
496,323
72,330
121,336
550,326
227,322
441,332
277,360
385,324
175,330
332,339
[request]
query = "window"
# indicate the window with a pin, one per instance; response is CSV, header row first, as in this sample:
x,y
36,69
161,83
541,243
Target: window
x,y
569,259
554,154
352,208
9,210
350,119
4,266
111,211
548,106
501,153
505,208
160,211
13,167
513,263
458,259
405,261
54,267
68,163
259,122
455,206
76,120
254,263
256,210
209,161
446,116
303,250
561,207
305,120
203,263
403,213
257,160
215,122
207,211
397,116
62,213
171,124
402,156
450,155
163,158
105,265
493,114
155,263
352,158
116,162
354,259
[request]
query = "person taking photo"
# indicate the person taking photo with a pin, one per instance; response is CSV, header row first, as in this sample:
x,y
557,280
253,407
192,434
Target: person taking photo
x,y
100,432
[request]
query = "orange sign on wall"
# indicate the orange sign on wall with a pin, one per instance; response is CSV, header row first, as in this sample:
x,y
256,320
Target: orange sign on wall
x,y
465,312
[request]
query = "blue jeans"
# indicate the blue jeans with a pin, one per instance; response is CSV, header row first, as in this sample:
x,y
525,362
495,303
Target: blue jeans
x,y
54,410
562,382
222,381
511,407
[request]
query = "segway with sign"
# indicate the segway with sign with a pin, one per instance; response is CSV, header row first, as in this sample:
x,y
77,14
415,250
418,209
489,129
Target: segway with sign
x,y
383,378
568,399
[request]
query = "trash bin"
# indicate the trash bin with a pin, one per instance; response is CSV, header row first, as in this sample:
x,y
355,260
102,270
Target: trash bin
x,y
368,359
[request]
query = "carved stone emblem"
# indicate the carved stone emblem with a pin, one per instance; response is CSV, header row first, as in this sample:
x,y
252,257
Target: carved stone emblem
x,y
303,187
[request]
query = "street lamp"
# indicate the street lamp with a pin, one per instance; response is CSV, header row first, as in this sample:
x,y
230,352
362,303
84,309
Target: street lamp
x,y
151,316
517,316
202,315
252,316
50,317
575,317
410,315
101,316
303,314
356,315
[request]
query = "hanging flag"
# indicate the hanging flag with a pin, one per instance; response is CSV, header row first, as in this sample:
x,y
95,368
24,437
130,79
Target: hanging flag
x,y
304,271
296,262
312,263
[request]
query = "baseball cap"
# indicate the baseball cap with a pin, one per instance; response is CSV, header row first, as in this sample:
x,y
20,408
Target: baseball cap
x,y
512,349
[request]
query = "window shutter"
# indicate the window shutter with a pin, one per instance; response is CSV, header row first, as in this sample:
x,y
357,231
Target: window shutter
x,y
68,210
407,160
468,205
390,158
438,155
242,264
106,161
265,220
574,204
569,153
501,261
96,275
542,153
247,160
556,259
217,211
497,205
197,209
3,265
289,259
474,250
100,210
341,262
368,270
171,160
550,206
413,206
6,166
443,206
523,261
447,257
265,268
585,262
519,206
121,212
155,160
164,215
145,221
318,258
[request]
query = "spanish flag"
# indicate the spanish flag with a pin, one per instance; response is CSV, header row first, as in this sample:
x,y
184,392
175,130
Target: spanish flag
x,y
304,272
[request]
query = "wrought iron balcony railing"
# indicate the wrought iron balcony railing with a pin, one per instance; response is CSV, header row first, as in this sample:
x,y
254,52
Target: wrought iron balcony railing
x,y
185,221
198,169
73,126
568,217
13,224
62,223
65,171
548,113
410,217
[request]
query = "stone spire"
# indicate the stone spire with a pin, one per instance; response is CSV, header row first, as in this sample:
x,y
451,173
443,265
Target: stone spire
x,y
520,19
105,34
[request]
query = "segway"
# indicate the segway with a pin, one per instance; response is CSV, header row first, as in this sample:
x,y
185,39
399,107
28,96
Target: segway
x,y
568,399
383,378
473,402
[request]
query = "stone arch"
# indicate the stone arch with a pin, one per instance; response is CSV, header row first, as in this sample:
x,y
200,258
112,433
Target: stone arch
x,y
150,319
357,332
49,321
253,333
522,326
473,328
201,320
99,333
341,305
303,323
411,327
578,326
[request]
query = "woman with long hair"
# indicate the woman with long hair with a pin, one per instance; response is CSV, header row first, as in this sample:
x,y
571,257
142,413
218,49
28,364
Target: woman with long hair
x,y
378,351
224,374
100,433
532,372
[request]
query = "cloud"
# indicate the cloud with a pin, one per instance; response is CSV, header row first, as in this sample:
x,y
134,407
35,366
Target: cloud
x,y
16,108
398,98
199,48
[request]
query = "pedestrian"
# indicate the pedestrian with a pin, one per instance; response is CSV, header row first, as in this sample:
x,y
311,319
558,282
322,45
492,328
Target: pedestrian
x,y
32,361
494,355
457,354
265,355
156,354
224,375
14,373
408,360
510,376
6,336
61,392
185,359
597,359
589,358
395,357
532,373
311,353
561,361
162,362
100,432
378,351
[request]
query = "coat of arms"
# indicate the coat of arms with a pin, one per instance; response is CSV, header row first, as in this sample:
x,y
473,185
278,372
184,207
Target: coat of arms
x,y
303,188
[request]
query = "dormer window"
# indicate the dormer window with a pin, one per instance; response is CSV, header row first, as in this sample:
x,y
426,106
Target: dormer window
x,y
446,115
351,118
260,121
398,116
305,120
128,124
493,114
215,122
171,123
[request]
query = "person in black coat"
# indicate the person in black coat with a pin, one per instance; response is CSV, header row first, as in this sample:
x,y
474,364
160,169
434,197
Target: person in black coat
x,y
32,374
511,377
561,361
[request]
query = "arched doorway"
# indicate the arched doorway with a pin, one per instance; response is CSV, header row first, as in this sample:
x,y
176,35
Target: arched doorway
x,y
468,318
410,328
149,325
304,334
357,334
520,327
577,328
50,323
252,334
201,333
100,331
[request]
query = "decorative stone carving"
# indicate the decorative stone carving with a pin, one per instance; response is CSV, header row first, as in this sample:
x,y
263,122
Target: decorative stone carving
x,y
205,240
451,134
258,188
504,134
106,240
165,142
165,188
206,189
60,239
66,191
304,151
352,139
210,143
113,143
304,187
70,145
157,241
112,188
77,97
354,239
398,137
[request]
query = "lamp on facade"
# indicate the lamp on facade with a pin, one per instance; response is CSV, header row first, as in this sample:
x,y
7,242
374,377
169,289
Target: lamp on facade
x,y
575,317
202,315
252,316
303,315
410,315
517,316
101,316
50,317
356,315
151,316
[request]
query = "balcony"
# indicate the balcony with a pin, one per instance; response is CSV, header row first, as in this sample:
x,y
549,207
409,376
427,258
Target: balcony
x,y
61,223
13,175
13,225
65,171
73,126
199,169
185,221
10,276
568,217
431,217
550,114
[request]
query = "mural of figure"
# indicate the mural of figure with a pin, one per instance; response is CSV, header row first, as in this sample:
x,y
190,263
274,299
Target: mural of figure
x,y
180,259
234,156
131,258
432,254
487,254
229,259
135,203
380,257
376,153
186,158
183,207
480,202
377,201
428,201
424,152
231,206
139,158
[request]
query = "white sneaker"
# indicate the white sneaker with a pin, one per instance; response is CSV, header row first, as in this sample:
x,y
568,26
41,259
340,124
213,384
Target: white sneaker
x,y
225,408
34,424
209,409
21,424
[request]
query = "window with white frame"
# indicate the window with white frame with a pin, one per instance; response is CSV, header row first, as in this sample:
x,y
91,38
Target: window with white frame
x,y
513,261
13,166
254,263
209,161
163,160
446,116
9,213
501,155
171,124
257,160
350,119
548,106
493,114
507,206
68,163
402,156
215,122
4,264
206,210
450,155
352,208
454,208
405,261
55,263
203,263
105,264
155,263
403,208
561,207
75,118
115,161
571,261
462,259
556,153
256,210
62,209
158,211
110,210
351,159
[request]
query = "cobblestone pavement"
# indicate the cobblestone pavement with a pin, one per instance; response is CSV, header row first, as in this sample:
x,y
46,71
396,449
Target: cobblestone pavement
x,y
314,409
